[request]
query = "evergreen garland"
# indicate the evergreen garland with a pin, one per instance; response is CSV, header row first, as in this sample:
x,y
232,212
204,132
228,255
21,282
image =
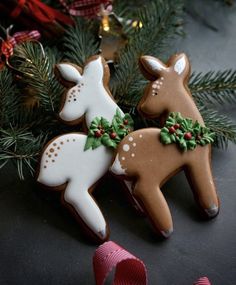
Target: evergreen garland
x,y
29,98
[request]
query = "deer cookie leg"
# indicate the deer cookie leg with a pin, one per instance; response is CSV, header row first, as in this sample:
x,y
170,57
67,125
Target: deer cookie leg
x,y
155,206
129,185
84,205
201,180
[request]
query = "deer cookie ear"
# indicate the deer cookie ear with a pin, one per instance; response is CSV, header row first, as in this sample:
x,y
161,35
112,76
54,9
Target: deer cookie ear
x,y
151,67
180,64
95,69
68,72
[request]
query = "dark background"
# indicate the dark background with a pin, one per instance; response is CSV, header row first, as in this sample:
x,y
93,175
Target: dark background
x,y
41,244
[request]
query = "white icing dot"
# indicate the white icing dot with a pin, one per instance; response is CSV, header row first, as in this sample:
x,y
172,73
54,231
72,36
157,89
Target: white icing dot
x,y
140,136
133,155
161,83
123,158
158,87
134,144
162,78
131,139
126,147
154,86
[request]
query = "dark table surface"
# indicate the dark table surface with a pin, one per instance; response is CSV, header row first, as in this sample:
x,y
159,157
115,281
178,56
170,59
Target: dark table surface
x,y
41,244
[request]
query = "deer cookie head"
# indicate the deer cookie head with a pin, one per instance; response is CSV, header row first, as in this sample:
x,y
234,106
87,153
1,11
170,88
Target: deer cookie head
x,y
82,86
168,82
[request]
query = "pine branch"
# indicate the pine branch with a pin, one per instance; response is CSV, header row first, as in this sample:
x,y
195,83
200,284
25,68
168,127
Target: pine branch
x,y
9,97
161,20
21,147
37,69
81,41
214,87
223,127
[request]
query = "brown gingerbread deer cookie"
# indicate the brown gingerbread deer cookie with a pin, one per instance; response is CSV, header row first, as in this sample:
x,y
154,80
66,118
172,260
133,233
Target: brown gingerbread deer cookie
x,y
151,156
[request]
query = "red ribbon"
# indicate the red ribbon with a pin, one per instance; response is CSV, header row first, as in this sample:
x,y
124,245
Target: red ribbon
x,y
85,8
129,269
202,281
41,11
19,37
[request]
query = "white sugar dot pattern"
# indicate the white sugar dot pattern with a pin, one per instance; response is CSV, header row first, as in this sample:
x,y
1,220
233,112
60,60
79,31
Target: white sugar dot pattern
x,y
140,136
133,155
131,139
123,158
126,147
134,144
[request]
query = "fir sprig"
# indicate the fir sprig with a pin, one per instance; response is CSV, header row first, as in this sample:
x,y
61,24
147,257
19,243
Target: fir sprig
x,y
221,125
161,20
38,77
214,87
21,147
81,41
9,97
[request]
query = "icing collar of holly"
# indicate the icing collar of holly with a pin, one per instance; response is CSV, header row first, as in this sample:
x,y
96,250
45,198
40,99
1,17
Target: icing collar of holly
x,y
185,133
102,133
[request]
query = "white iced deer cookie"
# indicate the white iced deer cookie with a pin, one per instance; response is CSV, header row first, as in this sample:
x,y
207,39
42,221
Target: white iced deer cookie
x,y
64,164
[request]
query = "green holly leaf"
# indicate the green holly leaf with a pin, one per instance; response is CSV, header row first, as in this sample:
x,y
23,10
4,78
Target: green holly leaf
x,y
108,142
117,117
191,144
130,124
96,142
105,124
95,123
173,138
165,139
89,143
183,144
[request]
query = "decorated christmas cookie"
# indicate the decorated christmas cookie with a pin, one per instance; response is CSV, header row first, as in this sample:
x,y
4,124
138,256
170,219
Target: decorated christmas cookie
x,y
73,163
151,156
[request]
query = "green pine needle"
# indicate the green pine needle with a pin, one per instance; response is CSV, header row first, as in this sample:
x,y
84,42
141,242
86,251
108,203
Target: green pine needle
x,y
81,41
9,97
161,20
214,87
223,127
21,147
38,76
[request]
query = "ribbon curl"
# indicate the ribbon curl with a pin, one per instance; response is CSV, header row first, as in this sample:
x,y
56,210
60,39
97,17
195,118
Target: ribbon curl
x,y
129,270
7,45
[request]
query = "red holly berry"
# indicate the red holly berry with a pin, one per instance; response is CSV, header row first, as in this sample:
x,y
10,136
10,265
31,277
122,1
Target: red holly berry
x,y
177,126
171,130
113,135
98,134
126,122
188,136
